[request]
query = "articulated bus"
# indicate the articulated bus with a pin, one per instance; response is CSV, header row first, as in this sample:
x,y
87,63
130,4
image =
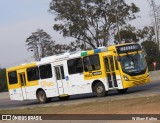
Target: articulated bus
x,y
98,71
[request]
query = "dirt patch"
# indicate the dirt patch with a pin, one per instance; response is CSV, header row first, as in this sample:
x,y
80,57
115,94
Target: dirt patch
x,y
139,105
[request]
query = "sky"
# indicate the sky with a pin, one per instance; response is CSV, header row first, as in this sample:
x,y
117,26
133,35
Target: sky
x,y
19,18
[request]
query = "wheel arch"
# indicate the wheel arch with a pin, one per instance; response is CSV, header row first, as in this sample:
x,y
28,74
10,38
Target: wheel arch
x,y
95,82
39,89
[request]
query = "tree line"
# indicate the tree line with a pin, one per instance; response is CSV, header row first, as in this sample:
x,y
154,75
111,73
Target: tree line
x,y
3,82
93,23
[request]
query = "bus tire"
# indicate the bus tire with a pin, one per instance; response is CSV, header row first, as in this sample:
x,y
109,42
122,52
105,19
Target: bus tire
x,y
41,96
122,91
64,98
99,89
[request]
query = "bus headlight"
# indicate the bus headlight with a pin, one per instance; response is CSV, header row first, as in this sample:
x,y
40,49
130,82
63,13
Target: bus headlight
x,y
125,78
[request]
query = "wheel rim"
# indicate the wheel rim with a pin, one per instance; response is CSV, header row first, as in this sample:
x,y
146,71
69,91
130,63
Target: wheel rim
x,y
41,97
99,89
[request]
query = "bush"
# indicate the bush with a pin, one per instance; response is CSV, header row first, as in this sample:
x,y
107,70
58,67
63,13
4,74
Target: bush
x,y
3,81
153,54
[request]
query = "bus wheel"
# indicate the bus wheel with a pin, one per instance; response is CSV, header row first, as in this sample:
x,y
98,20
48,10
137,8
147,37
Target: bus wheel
x,y
64,98
122,91
41,96
99,89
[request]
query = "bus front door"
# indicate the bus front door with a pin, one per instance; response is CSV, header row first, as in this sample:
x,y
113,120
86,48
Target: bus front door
x,y
60,79
110,71
23,85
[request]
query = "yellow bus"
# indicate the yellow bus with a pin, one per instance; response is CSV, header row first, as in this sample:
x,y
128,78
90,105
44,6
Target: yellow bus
x,y
98,71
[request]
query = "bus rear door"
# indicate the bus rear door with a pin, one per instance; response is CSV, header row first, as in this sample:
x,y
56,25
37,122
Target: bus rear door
x,y
17,85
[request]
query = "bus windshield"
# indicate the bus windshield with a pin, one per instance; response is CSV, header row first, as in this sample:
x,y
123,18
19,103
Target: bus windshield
x,y
133,64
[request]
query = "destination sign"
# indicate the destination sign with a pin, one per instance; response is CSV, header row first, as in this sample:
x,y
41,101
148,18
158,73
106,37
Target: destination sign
x,y
128,48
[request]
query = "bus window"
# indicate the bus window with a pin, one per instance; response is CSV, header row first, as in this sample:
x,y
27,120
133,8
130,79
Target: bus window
x,y
12,76
91,63
62,72
33,73
116,63
112,63
75,66
21,80
107,64
58,75
59,72
45,71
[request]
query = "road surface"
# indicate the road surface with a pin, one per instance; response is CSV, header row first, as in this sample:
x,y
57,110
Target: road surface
x,y
142,90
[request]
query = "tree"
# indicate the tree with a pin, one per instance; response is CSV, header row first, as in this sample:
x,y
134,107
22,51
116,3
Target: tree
x,y
146,34
77,45
151,49
3,81
71,47
91,21
41,43
128,34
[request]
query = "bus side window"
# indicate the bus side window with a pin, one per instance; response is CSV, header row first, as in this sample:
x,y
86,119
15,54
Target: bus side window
x,y
75,66
91,63
95,62
87,64
12,76
33,74
45,71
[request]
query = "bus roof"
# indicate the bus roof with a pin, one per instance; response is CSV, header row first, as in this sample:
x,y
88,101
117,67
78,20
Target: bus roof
x,y
67,55
27,65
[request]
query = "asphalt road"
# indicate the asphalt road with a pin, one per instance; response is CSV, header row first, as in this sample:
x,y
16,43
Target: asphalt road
x,y
142,90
